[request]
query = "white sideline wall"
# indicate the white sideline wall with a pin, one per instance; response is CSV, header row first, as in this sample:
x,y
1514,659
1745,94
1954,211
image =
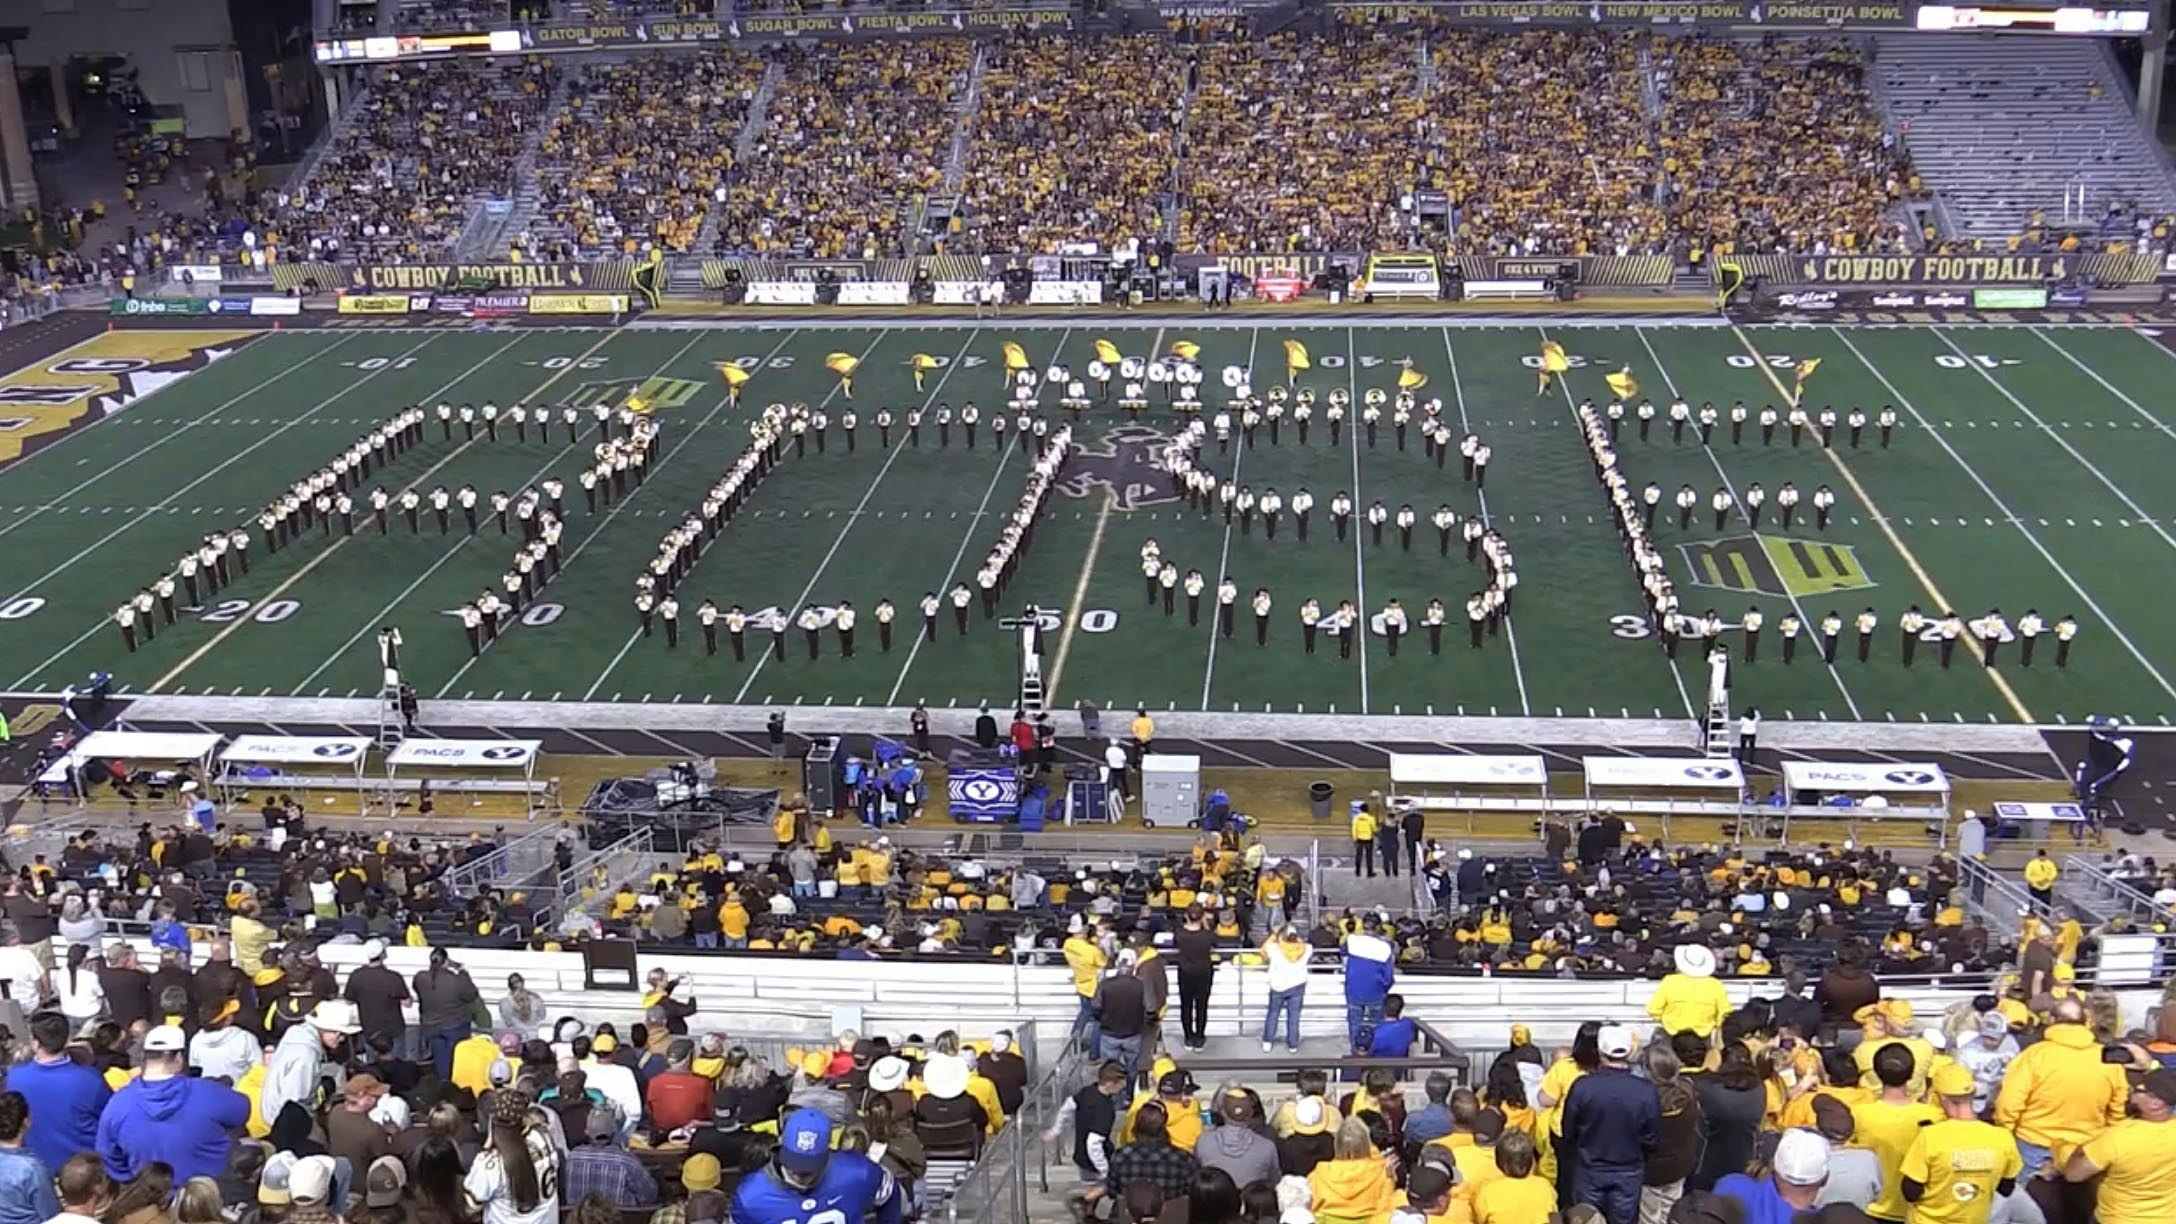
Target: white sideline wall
x,y
796,995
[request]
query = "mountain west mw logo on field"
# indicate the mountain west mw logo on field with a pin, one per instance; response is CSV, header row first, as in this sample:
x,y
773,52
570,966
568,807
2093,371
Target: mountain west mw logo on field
x,y
1123,465
1775,565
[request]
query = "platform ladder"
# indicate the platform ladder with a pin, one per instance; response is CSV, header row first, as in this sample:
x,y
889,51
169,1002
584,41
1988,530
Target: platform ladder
x,y
389,734
1715,742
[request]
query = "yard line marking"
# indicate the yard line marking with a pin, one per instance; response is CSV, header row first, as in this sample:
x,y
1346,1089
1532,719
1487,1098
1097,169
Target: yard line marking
x,y
2059,440
387,611
1080,594
2094,374
207,474
1731,485
1359,554
87,633
198,654
1683,694
310,354
2071,580
967,537
1224,558
1511,629
624,502
839,541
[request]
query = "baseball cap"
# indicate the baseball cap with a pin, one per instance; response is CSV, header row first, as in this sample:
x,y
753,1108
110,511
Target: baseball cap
x,y
1952,1080
500,1073
700,1172
603,1124
1994,1024
272,1183
1834,1119
603,1043
387,1179
165,1039
374,951
1177,1083
2161,1084
804,1142
1614,1041
392,1111
311,1180
1801,1158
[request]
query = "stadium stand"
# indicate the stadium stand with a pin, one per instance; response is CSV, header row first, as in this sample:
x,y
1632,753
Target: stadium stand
x,y
1829,177
1059,156
640,154
855,133
414,16
2002,129
1297,144
1547,146
428,141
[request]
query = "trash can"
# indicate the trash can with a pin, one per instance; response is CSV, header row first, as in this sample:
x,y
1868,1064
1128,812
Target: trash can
x,y
820,775
1319,795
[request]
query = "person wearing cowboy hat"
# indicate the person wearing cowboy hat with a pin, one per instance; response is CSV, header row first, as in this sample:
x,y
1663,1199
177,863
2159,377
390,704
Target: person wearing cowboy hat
x,y
1690,1000
945,1101
298,1062
888,1079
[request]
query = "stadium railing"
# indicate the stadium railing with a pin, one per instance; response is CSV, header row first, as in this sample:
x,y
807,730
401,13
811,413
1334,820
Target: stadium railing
x,y
623,860
2004,901
519,862
2111,894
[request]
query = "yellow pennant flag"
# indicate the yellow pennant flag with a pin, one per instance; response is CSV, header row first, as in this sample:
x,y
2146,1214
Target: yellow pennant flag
x,y
1108,353
841,363
1806,369
1623,384
734,375
1553,359
1410,379
1185,350
1296,358
1016,358
923,361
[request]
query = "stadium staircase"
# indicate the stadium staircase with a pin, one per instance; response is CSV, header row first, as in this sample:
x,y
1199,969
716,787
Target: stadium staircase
x,y
333,133
685,276
914,210
495,222
2000,126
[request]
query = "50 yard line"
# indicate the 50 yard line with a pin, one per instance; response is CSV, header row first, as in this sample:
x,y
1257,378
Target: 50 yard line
x,y
1224,559
1511,629
2016,521
1359,555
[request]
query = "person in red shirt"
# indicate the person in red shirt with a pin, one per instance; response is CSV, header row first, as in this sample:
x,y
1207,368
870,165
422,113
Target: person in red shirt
x,y
1023,735
677,1096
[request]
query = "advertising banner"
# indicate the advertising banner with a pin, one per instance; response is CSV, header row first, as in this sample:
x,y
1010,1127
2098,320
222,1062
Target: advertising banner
x,y
578,303
200,274
1980,269
276,307
1065,293
382,303
2010,299
1749,14
130,307
499,305
615,275
651,33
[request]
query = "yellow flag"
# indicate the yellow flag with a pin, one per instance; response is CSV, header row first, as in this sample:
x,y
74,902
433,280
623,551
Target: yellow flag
x,y
1552,357
1410,379
1108,353
1185,350
1016,358
1622,382
1807,367
1295,357
923,361
734,375
841,363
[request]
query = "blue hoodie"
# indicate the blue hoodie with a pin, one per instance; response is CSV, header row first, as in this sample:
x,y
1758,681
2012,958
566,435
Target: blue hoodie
x,y
1368,969
185,1122
65,1103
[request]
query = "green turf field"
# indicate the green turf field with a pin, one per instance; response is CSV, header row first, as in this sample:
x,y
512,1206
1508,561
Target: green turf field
x,y
2031,471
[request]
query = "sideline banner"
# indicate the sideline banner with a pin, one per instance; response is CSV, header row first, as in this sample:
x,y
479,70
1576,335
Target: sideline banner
x,y
578,303
609,276
1979,269
381,303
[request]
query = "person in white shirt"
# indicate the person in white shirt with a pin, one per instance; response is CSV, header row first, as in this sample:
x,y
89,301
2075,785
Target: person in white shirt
x,y
1748,734
76,988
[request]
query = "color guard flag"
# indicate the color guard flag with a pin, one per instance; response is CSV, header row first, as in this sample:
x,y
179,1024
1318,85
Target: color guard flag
x,y
1296,359
1806,369
1410,379
735,377
1016,358
1108,353
841,363
1623,384
1185,350
1553,359
923,363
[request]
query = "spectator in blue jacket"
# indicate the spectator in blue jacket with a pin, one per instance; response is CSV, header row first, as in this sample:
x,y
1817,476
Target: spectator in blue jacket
x,y
1369,972
65,1096
26,1182
1612,1123
1394,1033
166,1116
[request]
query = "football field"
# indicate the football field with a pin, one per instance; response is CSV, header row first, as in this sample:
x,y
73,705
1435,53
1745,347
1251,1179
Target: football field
x,y
2031,469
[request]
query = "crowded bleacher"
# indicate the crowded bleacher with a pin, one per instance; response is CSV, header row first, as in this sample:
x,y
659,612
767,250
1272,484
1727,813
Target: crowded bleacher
x,y
855,134
425,146
640,155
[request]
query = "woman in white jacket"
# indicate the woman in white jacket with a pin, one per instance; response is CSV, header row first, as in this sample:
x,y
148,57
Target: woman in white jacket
x,y
1286,955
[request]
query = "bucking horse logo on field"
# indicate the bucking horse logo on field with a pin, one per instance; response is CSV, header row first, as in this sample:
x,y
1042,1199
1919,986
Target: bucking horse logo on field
x,y
1127,463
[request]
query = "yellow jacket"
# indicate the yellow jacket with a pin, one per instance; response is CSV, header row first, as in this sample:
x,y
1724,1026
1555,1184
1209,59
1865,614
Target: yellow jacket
x,y
1085,959
1363,826
2041,873
1351,1191
1684,1003
2058,1092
